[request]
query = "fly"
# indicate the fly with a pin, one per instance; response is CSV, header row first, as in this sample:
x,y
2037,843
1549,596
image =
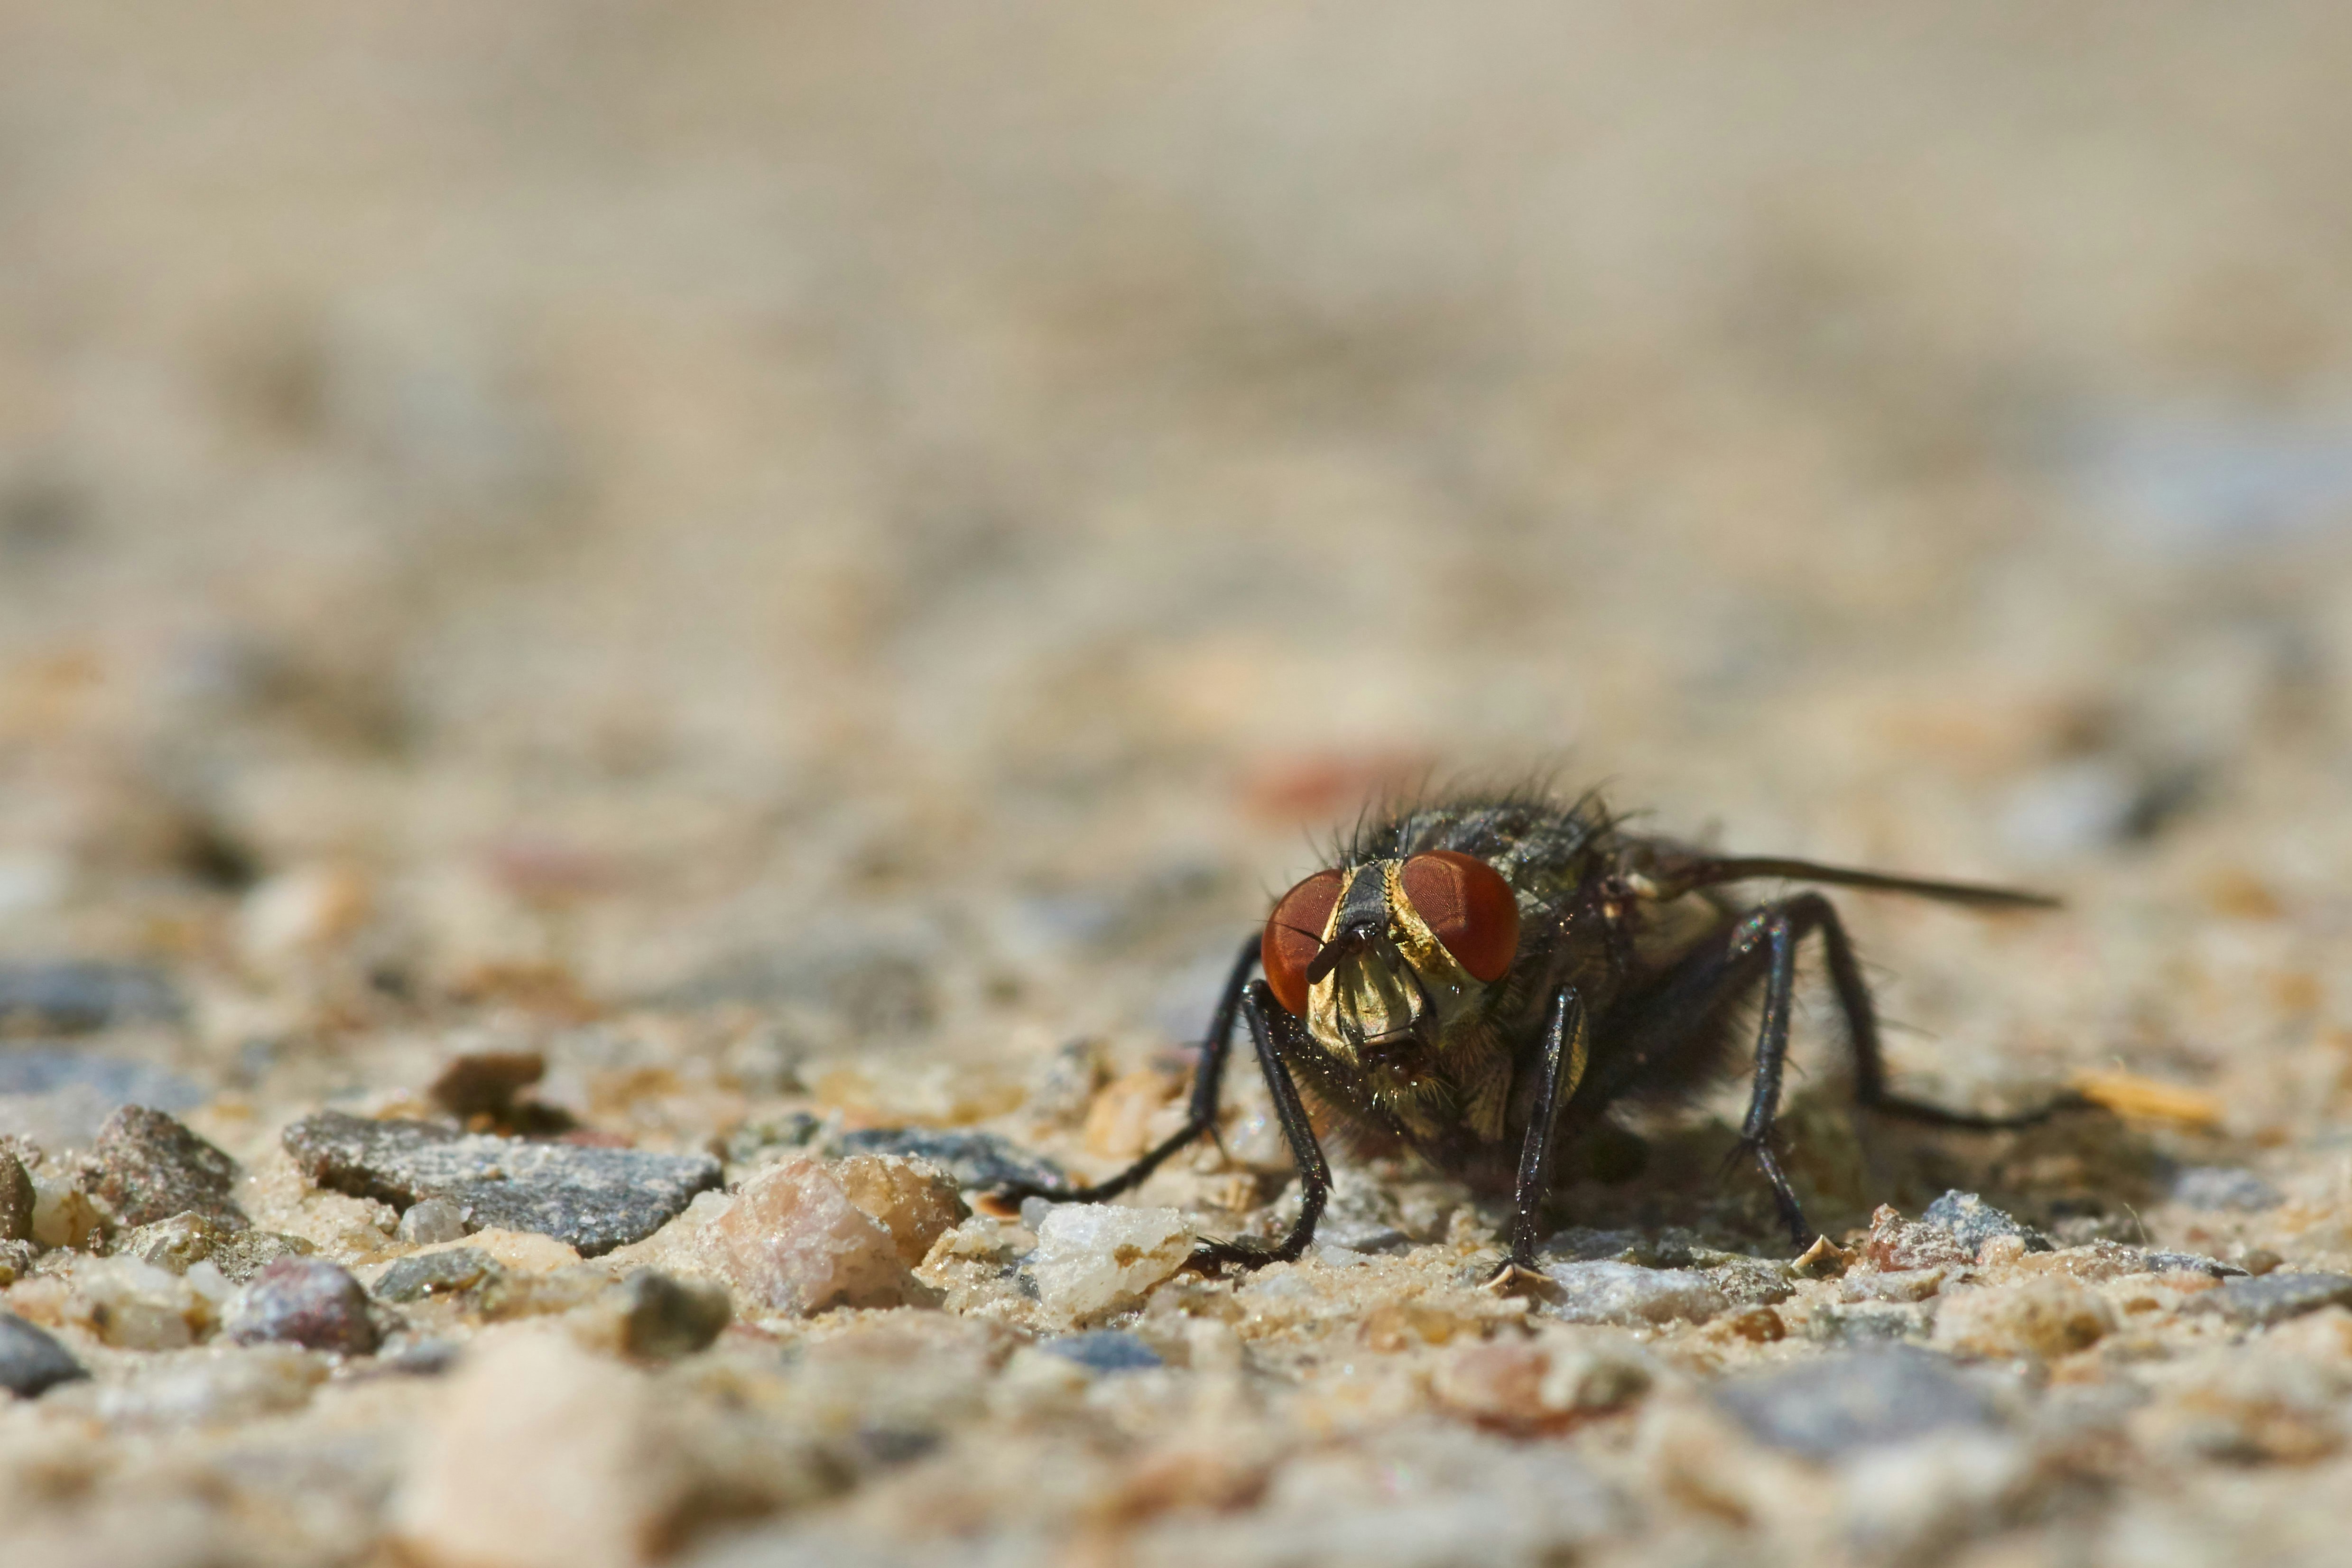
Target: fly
x,y
1481,981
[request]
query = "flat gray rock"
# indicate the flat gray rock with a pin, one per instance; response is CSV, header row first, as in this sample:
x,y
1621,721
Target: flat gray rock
x,y
591,1199
31,1360
1627,1293
2274,1298
1841,1404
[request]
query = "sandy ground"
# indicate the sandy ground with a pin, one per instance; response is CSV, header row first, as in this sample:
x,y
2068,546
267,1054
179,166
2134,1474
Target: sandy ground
x,y
832,562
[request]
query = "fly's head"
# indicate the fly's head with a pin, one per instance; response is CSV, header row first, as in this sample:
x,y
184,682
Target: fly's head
x,y
1392,963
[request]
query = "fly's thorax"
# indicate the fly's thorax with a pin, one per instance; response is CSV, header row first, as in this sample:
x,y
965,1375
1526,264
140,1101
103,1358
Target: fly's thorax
x,y
1389,996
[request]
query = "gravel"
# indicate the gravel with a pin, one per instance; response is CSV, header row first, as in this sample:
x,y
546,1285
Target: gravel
x,y
147,1167
438,1273
2274,1298
306,1302
1856,1401
1626,1293
31,1360
590,1199
665,1318
976,1159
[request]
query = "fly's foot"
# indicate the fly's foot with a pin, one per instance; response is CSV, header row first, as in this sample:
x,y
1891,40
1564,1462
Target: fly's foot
x,y
1519,1277
1213,1258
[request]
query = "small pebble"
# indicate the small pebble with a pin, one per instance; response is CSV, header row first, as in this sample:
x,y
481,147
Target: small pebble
x,y
32,1361
976,1159
432,1221
1896,1244
485,1083
306,1302
177,1244
1094,1258
436,1274
791,1240
1844,1403
1905,1285
2274,1298
147,1167
1104,1349
1867,1323
664,1318
137,1305
1626,1293
15,1199
2224,1187
1973,1222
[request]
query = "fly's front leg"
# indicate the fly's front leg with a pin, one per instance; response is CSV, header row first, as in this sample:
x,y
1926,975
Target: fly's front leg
x,y
1566,1048
1201,1120
1272,1030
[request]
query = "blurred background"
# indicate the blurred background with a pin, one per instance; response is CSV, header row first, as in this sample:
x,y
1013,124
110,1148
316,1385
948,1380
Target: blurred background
x,y
902,521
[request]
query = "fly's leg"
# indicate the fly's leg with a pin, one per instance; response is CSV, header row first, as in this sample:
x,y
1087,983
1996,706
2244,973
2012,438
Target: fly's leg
x,y
1869,1065
1202,1121
1272,1030
1566,1048
1777,929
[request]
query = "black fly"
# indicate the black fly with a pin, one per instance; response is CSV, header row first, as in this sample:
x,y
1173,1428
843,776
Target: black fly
x,y
1480,981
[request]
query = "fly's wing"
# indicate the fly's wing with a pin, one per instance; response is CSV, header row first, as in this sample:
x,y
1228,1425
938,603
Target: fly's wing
x,y
1684,872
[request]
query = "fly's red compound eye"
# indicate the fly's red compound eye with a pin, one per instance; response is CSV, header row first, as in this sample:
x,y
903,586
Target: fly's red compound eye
x,y
1293,935
1467,906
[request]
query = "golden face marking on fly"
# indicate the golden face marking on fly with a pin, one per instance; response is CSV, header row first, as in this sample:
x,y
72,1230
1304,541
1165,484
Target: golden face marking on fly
x,y
1390,964
1371,1005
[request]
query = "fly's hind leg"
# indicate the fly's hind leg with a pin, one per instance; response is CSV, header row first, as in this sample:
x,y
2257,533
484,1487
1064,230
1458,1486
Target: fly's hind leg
x,y
1777,929
1199,1122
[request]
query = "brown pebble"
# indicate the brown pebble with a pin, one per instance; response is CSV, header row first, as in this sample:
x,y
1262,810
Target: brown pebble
x,y
485,1083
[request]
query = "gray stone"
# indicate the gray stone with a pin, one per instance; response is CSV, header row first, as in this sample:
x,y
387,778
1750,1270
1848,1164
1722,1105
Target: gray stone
x,y
147,1167
305,1302
591,1199
432,1221
976,1159
1867,1323
80,997
664,1318
15,1199
2224,1187
1751,1282
1973,1222
31,1360
1106,1350
437,1274
1846,1404
2274,1298
17,1260
1603,1293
